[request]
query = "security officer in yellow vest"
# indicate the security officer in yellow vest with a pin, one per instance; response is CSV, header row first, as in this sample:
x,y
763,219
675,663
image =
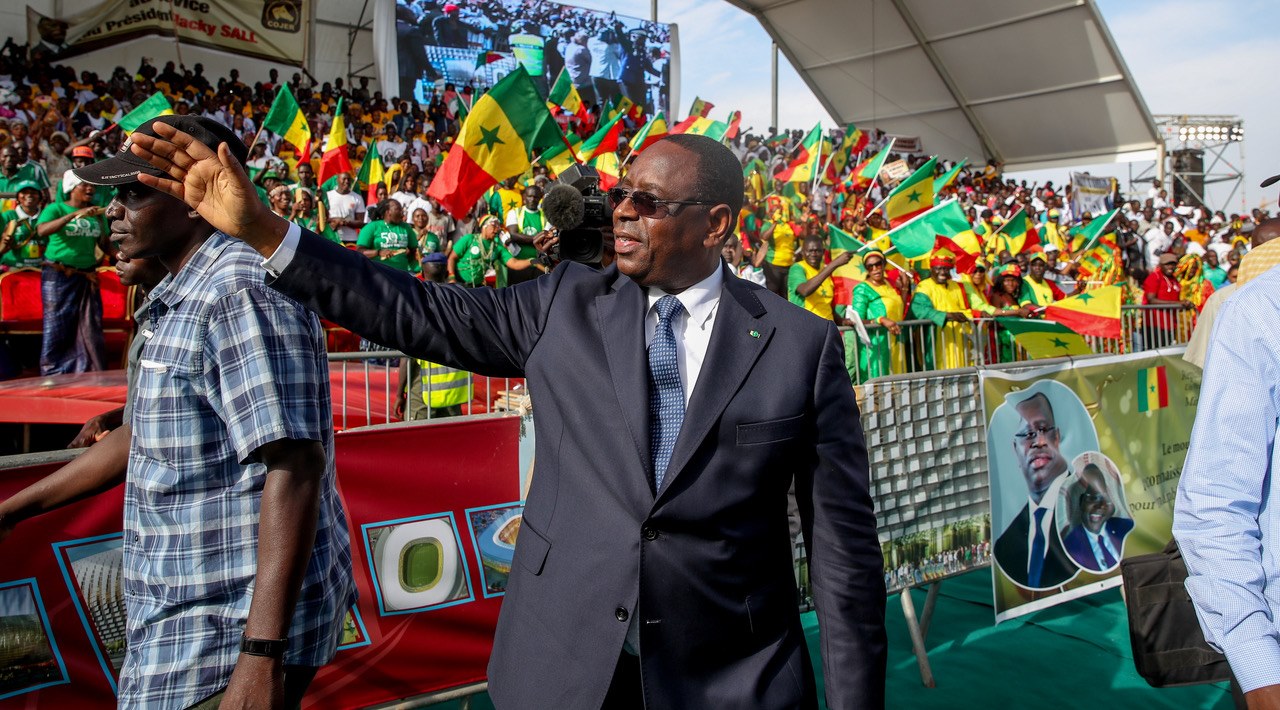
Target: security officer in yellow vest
x,y
433,390
524,224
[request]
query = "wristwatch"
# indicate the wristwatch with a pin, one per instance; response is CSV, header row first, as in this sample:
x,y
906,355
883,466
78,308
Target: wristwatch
x,y
270,648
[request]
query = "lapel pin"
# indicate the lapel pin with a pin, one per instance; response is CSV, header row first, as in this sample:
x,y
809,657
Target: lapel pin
x,y
755,334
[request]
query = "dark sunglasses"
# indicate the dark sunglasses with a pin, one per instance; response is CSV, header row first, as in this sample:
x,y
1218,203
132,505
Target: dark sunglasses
x,y
647,204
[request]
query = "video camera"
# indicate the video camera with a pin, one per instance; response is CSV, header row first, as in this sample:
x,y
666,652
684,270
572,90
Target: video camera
x,y
578,209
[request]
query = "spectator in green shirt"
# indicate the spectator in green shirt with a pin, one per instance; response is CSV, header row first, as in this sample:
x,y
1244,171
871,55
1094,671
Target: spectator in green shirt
x,y
389,240
474,254
69,291
21,245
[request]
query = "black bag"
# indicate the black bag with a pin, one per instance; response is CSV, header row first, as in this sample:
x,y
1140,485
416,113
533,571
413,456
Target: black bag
x,y
1168,646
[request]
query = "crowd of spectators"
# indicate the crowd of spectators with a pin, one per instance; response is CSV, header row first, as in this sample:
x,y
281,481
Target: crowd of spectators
x,y
53,118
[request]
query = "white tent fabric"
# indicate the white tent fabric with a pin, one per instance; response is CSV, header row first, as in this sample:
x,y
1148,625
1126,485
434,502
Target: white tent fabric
x,y
1031,83
327,51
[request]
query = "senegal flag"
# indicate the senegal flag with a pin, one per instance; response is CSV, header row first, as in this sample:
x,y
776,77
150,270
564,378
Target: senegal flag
x,y
605,139
700,108
504,126
285,119
853,142
606,163
913,196
559,158
1153,389
1043,339
565,95
652,132
156,105
805,164
1017,235
916,237
701,126
869,169
334,160
735,125
949,177
1094,312
850,275
371,173
1095,229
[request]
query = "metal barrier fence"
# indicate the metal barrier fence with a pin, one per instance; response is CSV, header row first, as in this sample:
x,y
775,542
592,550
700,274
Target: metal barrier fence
x,y
382,377
922,346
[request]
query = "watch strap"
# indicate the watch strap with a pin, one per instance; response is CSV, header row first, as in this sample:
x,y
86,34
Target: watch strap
x,y
270,648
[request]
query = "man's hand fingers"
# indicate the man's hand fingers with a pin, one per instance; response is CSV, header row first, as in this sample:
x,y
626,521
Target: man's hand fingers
x,y
189,145
172,188
162,155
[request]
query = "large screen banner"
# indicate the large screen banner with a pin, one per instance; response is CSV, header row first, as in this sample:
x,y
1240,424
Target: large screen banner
x,y
476,44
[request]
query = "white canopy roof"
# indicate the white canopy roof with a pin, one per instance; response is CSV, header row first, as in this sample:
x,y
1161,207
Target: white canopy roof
x,y
1032,83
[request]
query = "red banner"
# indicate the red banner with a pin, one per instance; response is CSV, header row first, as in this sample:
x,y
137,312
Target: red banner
x,y
433,512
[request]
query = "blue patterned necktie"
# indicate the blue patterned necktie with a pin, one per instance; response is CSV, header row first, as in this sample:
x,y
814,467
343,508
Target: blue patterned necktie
x,y
1107,560
666,394
1037,551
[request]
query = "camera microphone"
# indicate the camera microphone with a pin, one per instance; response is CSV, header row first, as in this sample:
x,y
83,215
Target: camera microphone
x,y
564,207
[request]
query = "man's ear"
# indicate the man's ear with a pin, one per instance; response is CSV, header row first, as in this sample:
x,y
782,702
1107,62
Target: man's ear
x,y
719,226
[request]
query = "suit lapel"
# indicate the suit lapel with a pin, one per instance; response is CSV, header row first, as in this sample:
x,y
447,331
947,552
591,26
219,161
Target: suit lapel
x,y
737,339
621,314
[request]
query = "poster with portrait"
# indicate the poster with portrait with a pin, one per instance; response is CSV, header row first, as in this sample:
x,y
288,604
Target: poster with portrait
x,y
1084,459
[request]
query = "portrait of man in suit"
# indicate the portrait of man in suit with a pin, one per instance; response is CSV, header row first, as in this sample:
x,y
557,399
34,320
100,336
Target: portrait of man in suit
x,y
676,404
1029,551
1099,517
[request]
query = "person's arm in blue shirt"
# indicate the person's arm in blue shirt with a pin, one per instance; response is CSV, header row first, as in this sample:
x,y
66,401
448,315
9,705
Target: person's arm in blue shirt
x,y
1225,501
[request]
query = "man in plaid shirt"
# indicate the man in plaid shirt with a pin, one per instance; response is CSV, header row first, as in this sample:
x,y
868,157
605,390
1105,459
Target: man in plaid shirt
x,y
237,563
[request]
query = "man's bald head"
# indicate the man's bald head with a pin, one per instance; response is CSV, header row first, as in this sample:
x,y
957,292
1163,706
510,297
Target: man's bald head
x,y
1266,230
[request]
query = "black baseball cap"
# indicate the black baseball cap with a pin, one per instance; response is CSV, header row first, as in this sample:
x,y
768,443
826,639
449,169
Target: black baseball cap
x,y
124,166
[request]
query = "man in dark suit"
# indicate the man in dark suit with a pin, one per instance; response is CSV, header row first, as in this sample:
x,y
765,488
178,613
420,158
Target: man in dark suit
x,y
1095,541
1029,551
676,404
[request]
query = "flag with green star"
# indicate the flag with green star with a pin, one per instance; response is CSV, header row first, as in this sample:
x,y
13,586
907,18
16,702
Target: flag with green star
x,y
1094,312
1042,338
912,196
505,125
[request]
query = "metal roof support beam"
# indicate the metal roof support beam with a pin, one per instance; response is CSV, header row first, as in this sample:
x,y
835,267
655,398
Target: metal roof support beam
x,y
987,144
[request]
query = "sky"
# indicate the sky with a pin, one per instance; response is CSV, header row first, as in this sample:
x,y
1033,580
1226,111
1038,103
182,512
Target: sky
x,y
1186,56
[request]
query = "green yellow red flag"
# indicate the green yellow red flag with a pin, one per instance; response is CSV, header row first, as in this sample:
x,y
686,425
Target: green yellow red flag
x,y
286,119
155,105
565,95
916,237
605,139
912,197
846,277
949,177
371,173
650,133
1094,312
495,142
334,160
1043,339
1153,389
869,169
805,165
701,108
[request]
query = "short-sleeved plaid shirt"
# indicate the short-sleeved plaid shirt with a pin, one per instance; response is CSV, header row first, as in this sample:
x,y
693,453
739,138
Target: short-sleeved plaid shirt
x,y
229,365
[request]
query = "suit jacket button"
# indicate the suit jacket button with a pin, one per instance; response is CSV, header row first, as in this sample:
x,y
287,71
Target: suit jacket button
x,y
621,614
649,533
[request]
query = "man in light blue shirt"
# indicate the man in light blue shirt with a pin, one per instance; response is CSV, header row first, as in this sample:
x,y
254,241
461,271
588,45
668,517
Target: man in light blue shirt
x,y
1227,520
